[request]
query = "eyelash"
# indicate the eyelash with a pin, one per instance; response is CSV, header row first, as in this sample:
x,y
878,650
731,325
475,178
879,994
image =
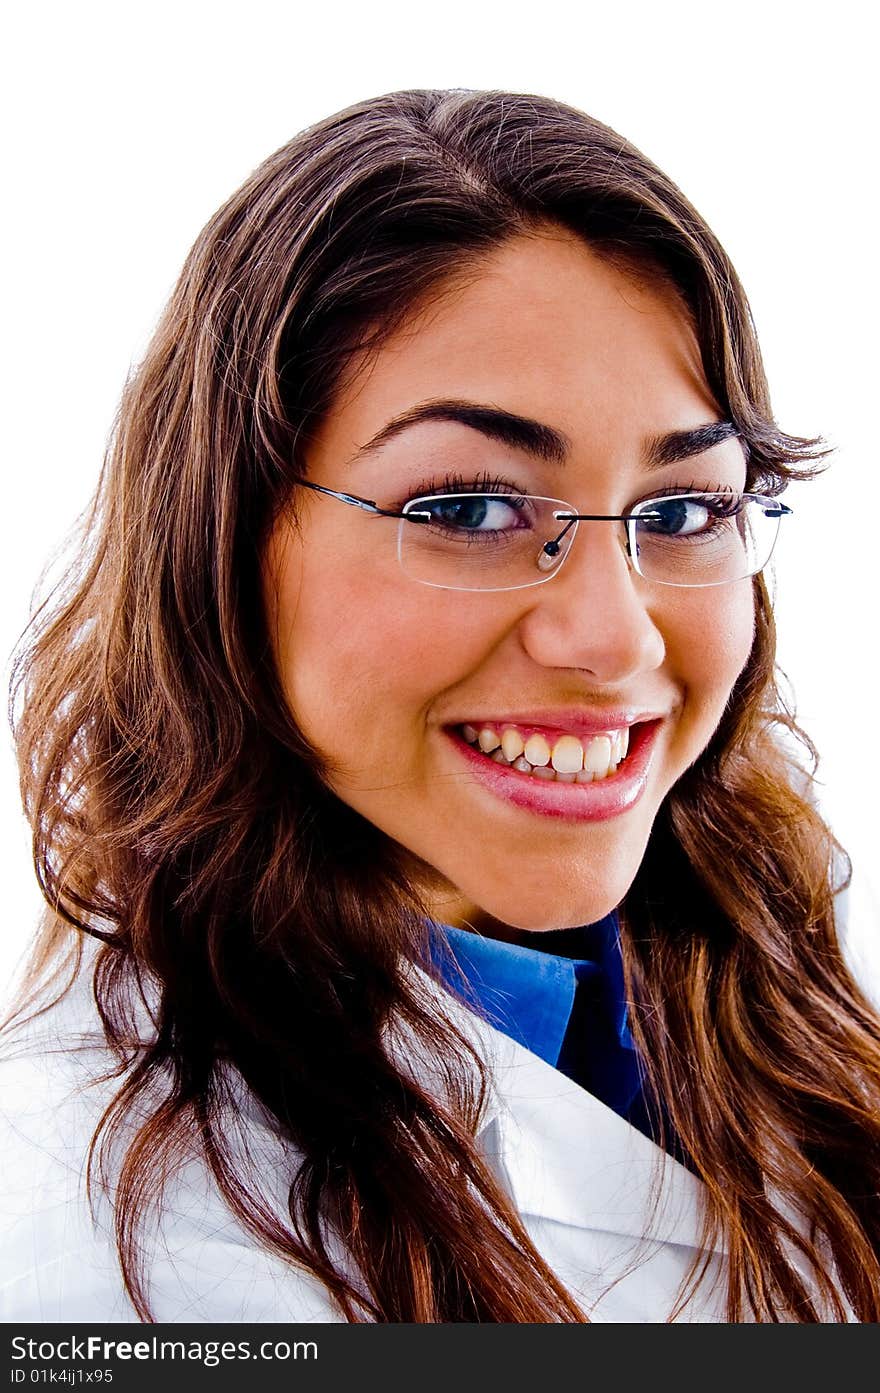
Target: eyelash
x,y
495,483
456,483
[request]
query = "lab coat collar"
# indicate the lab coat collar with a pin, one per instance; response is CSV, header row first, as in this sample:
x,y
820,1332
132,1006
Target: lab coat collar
x,y
562,1154
567,1157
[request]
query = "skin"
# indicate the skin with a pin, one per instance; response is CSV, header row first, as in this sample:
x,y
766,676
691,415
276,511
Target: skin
x,y
374,665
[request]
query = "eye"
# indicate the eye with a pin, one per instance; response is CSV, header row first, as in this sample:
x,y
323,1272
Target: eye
x,y
686,516
478,512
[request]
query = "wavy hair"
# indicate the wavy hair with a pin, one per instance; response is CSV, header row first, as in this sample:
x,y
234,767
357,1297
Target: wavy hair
x,y
180,816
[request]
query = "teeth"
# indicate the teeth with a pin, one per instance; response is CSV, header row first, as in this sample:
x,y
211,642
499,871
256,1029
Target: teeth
x,y
537,751
568,755
619,745
570,760
512,744
597,756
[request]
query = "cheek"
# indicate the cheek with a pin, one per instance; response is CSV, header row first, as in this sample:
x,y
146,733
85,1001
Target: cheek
x,y
712,643
364,653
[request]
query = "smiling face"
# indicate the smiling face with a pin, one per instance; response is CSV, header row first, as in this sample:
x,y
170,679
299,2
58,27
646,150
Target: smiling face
x,y
382,673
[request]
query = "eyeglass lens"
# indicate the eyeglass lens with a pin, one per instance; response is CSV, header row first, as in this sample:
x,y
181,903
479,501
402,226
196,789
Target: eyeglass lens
x,y
476,541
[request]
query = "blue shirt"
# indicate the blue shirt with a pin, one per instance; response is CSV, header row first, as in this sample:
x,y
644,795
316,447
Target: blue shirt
x,y
564,1001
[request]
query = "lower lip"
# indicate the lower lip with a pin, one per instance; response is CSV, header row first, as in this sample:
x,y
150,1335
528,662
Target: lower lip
x,y
594,802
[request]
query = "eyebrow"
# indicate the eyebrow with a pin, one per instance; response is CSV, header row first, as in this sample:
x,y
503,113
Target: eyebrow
x,y
542,441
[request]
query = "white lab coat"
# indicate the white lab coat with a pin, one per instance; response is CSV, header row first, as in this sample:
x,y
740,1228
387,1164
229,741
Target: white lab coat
x,y
579,1175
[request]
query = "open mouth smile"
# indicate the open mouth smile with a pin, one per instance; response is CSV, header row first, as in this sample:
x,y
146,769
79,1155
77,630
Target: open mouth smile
x,y
586,777
564,758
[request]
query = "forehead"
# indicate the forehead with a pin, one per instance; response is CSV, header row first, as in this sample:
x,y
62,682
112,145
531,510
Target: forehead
x,y
545,327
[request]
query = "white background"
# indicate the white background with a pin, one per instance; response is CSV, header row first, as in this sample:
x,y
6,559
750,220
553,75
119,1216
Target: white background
x,y
127,126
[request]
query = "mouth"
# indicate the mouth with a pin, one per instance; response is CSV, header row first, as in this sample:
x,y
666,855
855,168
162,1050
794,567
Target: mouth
x,y
584,776
562,757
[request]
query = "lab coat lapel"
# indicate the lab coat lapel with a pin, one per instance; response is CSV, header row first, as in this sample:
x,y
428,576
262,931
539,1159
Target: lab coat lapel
x,y
567,1157
560,1152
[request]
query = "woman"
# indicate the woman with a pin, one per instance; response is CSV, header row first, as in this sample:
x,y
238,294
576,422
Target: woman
x,y
405,774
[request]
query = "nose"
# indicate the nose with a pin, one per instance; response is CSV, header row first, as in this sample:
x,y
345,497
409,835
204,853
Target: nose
x,y
595,613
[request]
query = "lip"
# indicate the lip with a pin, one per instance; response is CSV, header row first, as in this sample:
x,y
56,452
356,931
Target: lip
x,y
570,722
594,802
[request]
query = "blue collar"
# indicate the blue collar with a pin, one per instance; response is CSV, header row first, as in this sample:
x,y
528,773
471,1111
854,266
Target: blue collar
x,y
530,995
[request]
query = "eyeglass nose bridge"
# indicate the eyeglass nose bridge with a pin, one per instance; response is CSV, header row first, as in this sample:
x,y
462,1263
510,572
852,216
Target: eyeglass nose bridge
x,y
550,550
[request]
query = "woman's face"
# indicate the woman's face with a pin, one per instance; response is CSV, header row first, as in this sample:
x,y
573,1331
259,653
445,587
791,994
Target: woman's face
x,y
382,673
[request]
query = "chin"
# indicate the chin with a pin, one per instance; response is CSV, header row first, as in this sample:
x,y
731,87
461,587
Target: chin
x,y
545,914
548,894
549,923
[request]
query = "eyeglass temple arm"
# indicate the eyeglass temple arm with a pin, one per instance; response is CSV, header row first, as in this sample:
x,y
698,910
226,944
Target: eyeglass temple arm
x,y
366,504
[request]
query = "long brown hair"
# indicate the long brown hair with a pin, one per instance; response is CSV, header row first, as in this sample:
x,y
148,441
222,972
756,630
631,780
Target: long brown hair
x,y
180,816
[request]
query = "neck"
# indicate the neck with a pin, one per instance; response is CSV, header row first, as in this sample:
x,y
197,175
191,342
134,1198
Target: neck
x,y
458,912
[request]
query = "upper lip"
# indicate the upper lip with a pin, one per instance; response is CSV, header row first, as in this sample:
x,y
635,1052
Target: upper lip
x,y
573,720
